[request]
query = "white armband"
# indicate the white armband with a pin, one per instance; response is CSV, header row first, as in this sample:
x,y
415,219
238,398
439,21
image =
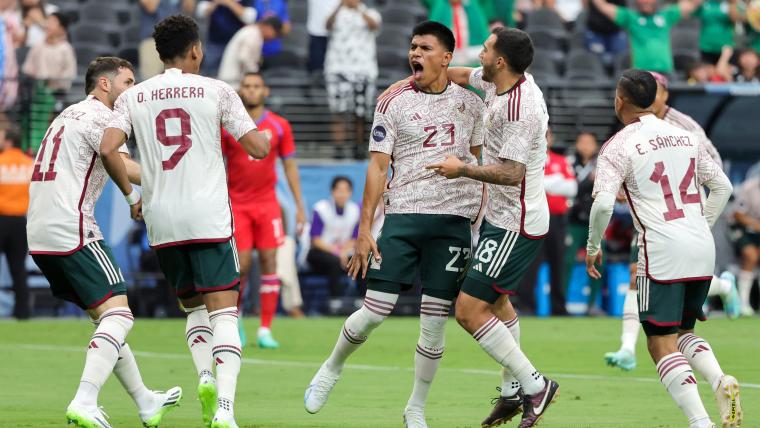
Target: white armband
x,y
133,197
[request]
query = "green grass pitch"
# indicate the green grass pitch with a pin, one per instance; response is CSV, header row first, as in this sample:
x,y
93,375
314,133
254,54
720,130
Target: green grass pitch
x,y
42,362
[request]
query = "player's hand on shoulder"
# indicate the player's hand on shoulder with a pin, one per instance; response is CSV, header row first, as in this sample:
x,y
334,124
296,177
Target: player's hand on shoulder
x,y
364,248
451,167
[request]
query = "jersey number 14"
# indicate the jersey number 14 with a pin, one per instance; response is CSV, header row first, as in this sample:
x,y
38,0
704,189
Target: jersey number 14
x,y
658,176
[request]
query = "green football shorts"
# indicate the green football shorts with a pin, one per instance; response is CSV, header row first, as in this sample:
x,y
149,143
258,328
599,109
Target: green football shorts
x,y
200,268
666,308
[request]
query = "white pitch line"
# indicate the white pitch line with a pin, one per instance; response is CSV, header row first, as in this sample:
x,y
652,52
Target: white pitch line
x,y
369,367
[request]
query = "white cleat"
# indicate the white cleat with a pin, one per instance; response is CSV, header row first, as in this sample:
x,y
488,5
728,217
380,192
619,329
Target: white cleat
x,y
84,417
163,403
729,405
414,417
319,389
223,419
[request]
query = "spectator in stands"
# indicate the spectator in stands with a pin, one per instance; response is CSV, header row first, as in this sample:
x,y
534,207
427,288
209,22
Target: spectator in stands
x,y
53,60
14,26
468,21
718,19
747,217
700,73
351,69
151,13
278,8
500,13
649,30
560,186
584,167
751,18
568,10
34,14
244,51
747,68
334,227
225,17
15,175
316,25
602,36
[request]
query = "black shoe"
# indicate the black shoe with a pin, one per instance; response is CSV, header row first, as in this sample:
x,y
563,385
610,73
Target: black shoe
x,y
534,406
504,409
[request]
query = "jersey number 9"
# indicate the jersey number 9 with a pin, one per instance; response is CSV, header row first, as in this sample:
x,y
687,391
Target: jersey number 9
x,y
183,140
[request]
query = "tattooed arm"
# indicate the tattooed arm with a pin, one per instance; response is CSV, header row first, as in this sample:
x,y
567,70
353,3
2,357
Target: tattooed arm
x,y
507,173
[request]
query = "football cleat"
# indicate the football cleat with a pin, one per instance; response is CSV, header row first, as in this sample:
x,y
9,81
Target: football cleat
x,y
164,402
732,304
83,417
414,417
223,420
265,340
622,358
534,406
207,397
318,392
727,396
504,409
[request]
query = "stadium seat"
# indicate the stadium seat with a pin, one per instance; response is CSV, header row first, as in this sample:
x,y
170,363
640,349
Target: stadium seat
x,y
392,37
130,37
621,63
94,34
545,39
287,58
547,20
391,59
544,64
93,12
297,40
683,59
398,15
684,40
298,12
582,63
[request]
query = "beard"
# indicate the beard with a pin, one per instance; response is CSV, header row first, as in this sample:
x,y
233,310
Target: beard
x,y
488,73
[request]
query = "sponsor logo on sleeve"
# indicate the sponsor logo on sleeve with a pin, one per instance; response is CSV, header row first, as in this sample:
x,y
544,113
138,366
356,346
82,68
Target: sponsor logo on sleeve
x,y
378,134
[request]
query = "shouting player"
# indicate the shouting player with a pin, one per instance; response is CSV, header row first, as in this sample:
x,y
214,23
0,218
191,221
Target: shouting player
x,y
69,249
648,158
427,222
251,182
517,217
177,118
723,286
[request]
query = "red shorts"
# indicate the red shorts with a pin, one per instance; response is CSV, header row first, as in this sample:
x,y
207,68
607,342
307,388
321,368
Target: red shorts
x,y
258,226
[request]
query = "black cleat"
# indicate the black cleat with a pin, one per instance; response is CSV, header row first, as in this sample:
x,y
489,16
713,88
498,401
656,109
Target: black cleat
x,y
534,406
504,409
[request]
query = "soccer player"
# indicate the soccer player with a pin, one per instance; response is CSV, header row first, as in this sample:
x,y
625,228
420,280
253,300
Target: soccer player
x,y
723,286
427,222
251,183
517,217
177,118
69,249
649,158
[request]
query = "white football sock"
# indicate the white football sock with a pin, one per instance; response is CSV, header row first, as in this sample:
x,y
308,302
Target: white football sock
x,y
433,316
719,287
226,354
377,306
129,375
102,353
495,339
631,323
677,377
701,358
509,383
199,338
744,282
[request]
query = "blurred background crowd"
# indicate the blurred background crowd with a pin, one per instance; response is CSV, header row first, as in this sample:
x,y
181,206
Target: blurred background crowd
x,y
325,62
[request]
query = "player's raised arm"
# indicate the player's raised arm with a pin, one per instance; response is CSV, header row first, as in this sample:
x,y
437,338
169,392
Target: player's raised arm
x,y
608,9
377,173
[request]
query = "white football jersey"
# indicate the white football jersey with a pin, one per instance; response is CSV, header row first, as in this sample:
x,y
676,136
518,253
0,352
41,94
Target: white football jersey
x,y
68,179
515,125
177,119
418,129
684,121
662,168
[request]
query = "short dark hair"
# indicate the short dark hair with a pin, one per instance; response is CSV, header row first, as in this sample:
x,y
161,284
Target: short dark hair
x,y
437,30
638,86
274,22
251,74
63,19
582,133
341,178
103,65
515,46
174,36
